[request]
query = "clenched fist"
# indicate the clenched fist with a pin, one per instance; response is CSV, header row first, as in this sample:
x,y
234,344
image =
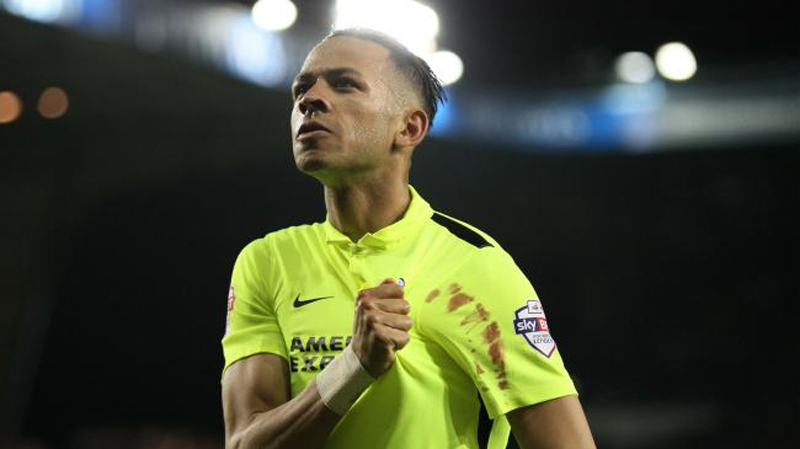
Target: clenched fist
x,y
381,326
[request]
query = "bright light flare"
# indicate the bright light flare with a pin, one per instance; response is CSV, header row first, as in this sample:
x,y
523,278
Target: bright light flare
x,y
10,107
48,11
254,54
274,15
635,67
447,66
53,103
675,61
413,24
39,10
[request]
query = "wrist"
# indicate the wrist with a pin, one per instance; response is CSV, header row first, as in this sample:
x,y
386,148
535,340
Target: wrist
x,y
343,381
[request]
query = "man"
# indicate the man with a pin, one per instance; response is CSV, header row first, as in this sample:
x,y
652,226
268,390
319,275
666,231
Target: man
x,y
380,327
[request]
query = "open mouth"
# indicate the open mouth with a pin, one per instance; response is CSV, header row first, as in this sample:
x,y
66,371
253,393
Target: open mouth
x,y
311,129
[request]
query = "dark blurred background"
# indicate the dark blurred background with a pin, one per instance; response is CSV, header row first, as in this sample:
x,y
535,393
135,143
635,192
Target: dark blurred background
x,y
144,143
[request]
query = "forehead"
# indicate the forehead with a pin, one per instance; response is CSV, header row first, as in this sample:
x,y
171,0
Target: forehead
x,y
367,57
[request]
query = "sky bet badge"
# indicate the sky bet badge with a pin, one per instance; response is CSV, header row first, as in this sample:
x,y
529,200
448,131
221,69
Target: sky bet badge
x,y
531,324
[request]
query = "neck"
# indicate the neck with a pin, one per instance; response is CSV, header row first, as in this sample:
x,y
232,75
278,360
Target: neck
x,y
368,204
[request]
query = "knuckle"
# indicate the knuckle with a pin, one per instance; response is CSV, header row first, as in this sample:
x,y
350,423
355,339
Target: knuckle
x,y
390,290
383,337
371,320
403,340
365,303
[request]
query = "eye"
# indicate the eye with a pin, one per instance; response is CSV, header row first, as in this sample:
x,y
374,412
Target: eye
x,y
345,83
299,90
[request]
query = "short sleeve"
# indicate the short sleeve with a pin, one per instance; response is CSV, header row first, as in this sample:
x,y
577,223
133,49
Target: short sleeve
x,y
489,319
251,325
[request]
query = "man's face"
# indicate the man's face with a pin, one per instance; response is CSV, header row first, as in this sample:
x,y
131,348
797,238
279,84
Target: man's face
x,y
345,115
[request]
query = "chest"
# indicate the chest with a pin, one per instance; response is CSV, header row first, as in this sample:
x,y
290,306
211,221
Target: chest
x,y
315,304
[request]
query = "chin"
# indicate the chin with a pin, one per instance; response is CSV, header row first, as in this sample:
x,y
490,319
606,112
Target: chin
x,y
312,168
310,163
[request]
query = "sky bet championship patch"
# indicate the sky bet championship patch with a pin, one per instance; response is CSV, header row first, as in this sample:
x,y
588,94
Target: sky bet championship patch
x,y
532,325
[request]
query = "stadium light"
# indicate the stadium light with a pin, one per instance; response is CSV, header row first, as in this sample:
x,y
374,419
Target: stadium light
x,y
676,62
255,55
53,103
10,107
40,10
446,65
47,11
635,67
274,15
413,24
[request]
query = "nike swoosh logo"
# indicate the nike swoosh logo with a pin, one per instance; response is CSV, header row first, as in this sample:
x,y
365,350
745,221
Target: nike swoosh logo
x,y
299,303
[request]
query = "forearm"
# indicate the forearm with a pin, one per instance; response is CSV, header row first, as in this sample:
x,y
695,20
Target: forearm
x,y
259,412
303,422
307,419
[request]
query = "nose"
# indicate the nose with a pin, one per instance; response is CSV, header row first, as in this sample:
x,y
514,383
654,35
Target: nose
x,y
313,101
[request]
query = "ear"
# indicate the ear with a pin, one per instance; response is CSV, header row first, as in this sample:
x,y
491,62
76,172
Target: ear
x,y
415,128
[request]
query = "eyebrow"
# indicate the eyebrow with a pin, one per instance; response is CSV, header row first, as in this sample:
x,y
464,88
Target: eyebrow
x,y
336,71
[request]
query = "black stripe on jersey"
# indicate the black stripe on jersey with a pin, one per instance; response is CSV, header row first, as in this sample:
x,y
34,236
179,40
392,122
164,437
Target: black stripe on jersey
x,y
459,230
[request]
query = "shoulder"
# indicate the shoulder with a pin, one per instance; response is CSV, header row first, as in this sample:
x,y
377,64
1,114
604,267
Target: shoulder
x,y
292,235
461,231
280,240
486,256
482,254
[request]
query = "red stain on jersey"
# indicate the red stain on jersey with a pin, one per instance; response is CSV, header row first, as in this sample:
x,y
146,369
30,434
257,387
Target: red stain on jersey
x,y
491,336
496,353
480,314
454,288
432,295
491,332
457,301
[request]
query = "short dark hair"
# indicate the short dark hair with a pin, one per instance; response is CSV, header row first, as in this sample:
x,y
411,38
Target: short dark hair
x,y
414,68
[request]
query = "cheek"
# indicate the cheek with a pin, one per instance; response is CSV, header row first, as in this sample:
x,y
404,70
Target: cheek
x,y
372,126
294,120
362,128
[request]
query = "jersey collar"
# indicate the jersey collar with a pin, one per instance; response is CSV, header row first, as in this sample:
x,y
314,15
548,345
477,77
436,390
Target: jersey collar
x,y
417,214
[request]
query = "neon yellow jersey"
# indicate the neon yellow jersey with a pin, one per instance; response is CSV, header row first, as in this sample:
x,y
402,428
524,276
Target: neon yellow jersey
x,y
479,327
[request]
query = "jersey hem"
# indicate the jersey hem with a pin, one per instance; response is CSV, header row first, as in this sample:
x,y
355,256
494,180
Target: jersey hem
x,y
551,392
243,354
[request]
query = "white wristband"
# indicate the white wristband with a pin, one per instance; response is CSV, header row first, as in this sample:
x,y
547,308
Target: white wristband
x,y
343,381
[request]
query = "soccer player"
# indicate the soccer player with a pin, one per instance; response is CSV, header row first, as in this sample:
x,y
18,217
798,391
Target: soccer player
x,y
386,324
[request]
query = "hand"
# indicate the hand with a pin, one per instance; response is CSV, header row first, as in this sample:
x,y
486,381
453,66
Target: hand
x,y
381,326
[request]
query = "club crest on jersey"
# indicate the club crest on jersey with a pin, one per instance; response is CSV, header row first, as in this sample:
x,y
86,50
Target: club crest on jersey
x,y
231,304
531,323
231,298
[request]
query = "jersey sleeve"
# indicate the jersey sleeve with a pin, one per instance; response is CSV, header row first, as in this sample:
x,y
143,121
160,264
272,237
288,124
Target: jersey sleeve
x,y
489,319
251,324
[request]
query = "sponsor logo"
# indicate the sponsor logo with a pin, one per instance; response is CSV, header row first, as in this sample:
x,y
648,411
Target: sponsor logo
x,y
530,322
313,353
299,303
